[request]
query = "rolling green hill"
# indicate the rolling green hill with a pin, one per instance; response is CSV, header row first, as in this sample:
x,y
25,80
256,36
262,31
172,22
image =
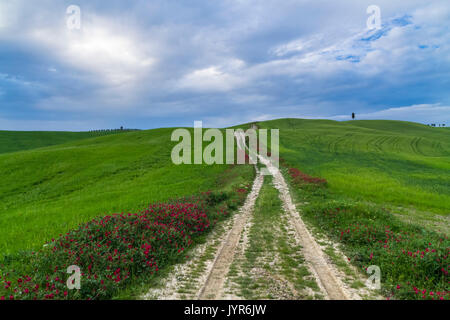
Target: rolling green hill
x,y
400,163
370,166
48,191
12,141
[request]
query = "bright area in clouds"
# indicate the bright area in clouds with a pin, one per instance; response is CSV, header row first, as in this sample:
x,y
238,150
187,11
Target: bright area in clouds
x,y
156,63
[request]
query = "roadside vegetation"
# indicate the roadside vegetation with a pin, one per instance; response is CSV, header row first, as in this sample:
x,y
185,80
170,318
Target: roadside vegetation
x,y
413,259
118,250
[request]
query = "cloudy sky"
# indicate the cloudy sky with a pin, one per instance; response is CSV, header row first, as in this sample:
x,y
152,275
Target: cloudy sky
x,y
156,63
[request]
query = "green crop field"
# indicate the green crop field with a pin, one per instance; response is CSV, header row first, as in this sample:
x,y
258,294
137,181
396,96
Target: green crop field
x,y
48,191
399,163
11,141
386,202
377,171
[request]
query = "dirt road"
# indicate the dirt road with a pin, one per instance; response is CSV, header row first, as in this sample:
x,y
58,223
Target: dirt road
x,y
205,275
213,287
312,252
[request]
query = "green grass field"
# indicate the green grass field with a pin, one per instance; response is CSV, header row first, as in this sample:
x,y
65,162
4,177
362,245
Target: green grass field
x,y
53,182
11,141
48,191
399,163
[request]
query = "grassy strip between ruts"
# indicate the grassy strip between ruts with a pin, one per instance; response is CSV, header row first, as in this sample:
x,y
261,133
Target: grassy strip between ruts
x,y
413,260
116,250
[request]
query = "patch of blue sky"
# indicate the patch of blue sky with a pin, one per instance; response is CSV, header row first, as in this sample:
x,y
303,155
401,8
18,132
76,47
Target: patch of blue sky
x,y
402,21
387,27
350,58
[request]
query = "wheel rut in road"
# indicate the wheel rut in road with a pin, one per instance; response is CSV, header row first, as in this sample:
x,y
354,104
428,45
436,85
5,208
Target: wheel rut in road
x,y
213,287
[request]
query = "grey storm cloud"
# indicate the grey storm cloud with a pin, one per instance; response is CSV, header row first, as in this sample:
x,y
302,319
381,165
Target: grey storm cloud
x,y
159,63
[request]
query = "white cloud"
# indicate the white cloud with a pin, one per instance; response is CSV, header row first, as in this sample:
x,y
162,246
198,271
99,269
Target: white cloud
x,y
215,78
8,14
116,57
295,46
264,57
395,52
432,13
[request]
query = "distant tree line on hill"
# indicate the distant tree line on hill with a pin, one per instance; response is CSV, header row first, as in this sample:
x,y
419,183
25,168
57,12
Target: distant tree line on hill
x,y
435,125
102,132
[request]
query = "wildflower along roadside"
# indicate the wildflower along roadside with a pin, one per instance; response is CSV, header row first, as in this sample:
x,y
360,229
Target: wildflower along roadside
x,y
414,261
113,250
